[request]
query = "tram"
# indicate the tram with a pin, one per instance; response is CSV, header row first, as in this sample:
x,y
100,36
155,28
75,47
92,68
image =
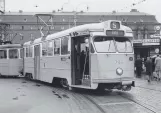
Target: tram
x,y
11,60
90,56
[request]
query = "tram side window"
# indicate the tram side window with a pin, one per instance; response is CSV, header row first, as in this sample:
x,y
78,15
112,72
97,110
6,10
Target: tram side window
x,y
21,53
44,49
27,51
64,46
30,51
3,54
50,48
57,47
13,53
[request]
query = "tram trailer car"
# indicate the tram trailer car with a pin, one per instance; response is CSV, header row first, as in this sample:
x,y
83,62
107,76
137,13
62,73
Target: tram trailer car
x,y
91,56
11,60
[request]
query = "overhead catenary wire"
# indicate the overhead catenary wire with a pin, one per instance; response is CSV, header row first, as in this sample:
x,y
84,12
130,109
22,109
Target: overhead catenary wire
x,y
132,5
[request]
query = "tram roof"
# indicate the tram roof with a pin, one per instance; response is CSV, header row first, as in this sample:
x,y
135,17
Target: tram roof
x,y
10,46
85,27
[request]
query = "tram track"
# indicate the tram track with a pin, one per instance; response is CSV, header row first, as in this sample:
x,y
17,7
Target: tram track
x,y
146,106
94,103
79,97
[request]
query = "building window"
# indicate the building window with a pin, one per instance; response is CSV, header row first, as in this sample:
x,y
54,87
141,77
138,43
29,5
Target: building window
x,y
64,45
25,20
22,27
31,37
57,47
62,28
13,53
21,36
11,36
51,27
11,27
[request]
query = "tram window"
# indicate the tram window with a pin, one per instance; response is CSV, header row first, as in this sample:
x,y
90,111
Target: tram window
x,y
13,53
57,47
27,51
50,48
44,49
21,53
64,46
104,44
123,44
30,51
3,54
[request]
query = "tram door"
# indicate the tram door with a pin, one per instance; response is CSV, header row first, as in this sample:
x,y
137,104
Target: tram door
x,y
36,61
79,61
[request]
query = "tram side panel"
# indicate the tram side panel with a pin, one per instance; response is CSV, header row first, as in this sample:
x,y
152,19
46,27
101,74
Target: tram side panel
x,y
4,70
15,67
94,70
55,66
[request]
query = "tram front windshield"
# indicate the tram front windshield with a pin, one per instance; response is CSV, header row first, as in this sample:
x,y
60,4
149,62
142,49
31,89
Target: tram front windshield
x,y
104,44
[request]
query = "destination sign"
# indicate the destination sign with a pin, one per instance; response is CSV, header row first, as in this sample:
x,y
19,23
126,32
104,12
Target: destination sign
x,y
114,33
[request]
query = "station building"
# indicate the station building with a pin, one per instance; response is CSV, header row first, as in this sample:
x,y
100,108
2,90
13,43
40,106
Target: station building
x,y
20,27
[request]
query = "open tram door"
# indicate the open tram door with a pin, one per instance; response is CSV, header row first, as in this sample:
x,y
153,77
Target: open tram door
x,y
80,60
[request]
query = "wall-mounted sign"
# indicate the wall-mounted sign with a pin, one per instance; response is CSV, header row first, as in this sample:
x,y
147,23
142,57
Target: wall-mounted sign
x,y
137,41
151,42
157,50
157,28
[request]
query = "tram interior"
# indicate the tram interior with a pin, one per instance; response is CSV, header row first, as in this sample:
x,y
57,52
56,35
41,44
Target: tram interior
x,y
80,60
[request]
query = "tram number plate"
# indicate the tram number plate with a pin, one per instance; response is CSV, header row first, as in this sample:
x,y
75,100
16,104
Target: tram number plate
x,y
65,58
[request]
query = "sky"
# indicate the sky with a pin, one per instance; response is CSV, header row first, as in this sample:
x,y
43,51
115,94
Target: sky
x,y
148,6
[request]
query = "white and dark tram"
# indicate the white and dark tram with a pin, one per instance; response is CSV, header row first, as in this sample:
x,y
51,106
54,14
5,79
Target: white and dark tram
x,y
11,60
90,56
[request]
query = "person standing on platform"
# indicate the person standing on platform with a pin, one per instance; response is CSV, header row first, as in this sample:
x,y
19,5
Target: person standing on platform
x,y
138,65
148,65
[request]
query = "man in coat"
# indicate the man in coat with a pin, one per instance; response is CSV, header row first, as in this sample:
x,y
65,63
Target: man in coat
x,y
148,65
138,65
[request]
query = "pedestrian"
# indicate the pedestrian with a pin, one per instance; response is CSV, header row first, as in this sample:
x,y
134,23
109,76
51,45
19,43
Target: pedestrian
x,y
138,65
158,66
148,65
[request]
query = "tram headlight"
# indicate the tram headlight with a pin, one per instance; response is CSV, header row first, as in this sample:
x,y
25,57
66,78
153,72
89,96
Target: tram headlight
x,y
119,71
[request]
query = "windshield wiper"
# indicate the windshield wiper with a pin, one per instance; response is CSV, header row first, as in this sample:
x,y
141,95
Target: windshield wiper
x,y
109,46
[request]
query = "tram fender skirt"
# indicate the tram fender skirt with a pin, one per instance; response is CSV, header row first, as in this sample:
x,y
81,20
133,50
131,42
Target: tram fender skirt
x,y
126,88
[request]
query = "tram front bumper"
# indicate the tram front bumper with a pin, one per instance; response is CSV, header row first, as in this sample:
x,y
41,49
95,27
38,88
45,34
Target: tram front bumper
x,y
121,81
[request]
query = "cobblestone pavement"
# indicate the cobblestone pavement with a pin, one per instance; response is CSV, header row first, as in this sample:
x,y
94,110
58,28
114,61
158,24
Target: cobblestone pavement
x,y
148,93
19,95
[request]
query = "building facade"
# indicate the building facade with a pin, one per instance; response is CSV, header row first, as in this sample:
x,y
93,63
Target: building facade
x,y
22,26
